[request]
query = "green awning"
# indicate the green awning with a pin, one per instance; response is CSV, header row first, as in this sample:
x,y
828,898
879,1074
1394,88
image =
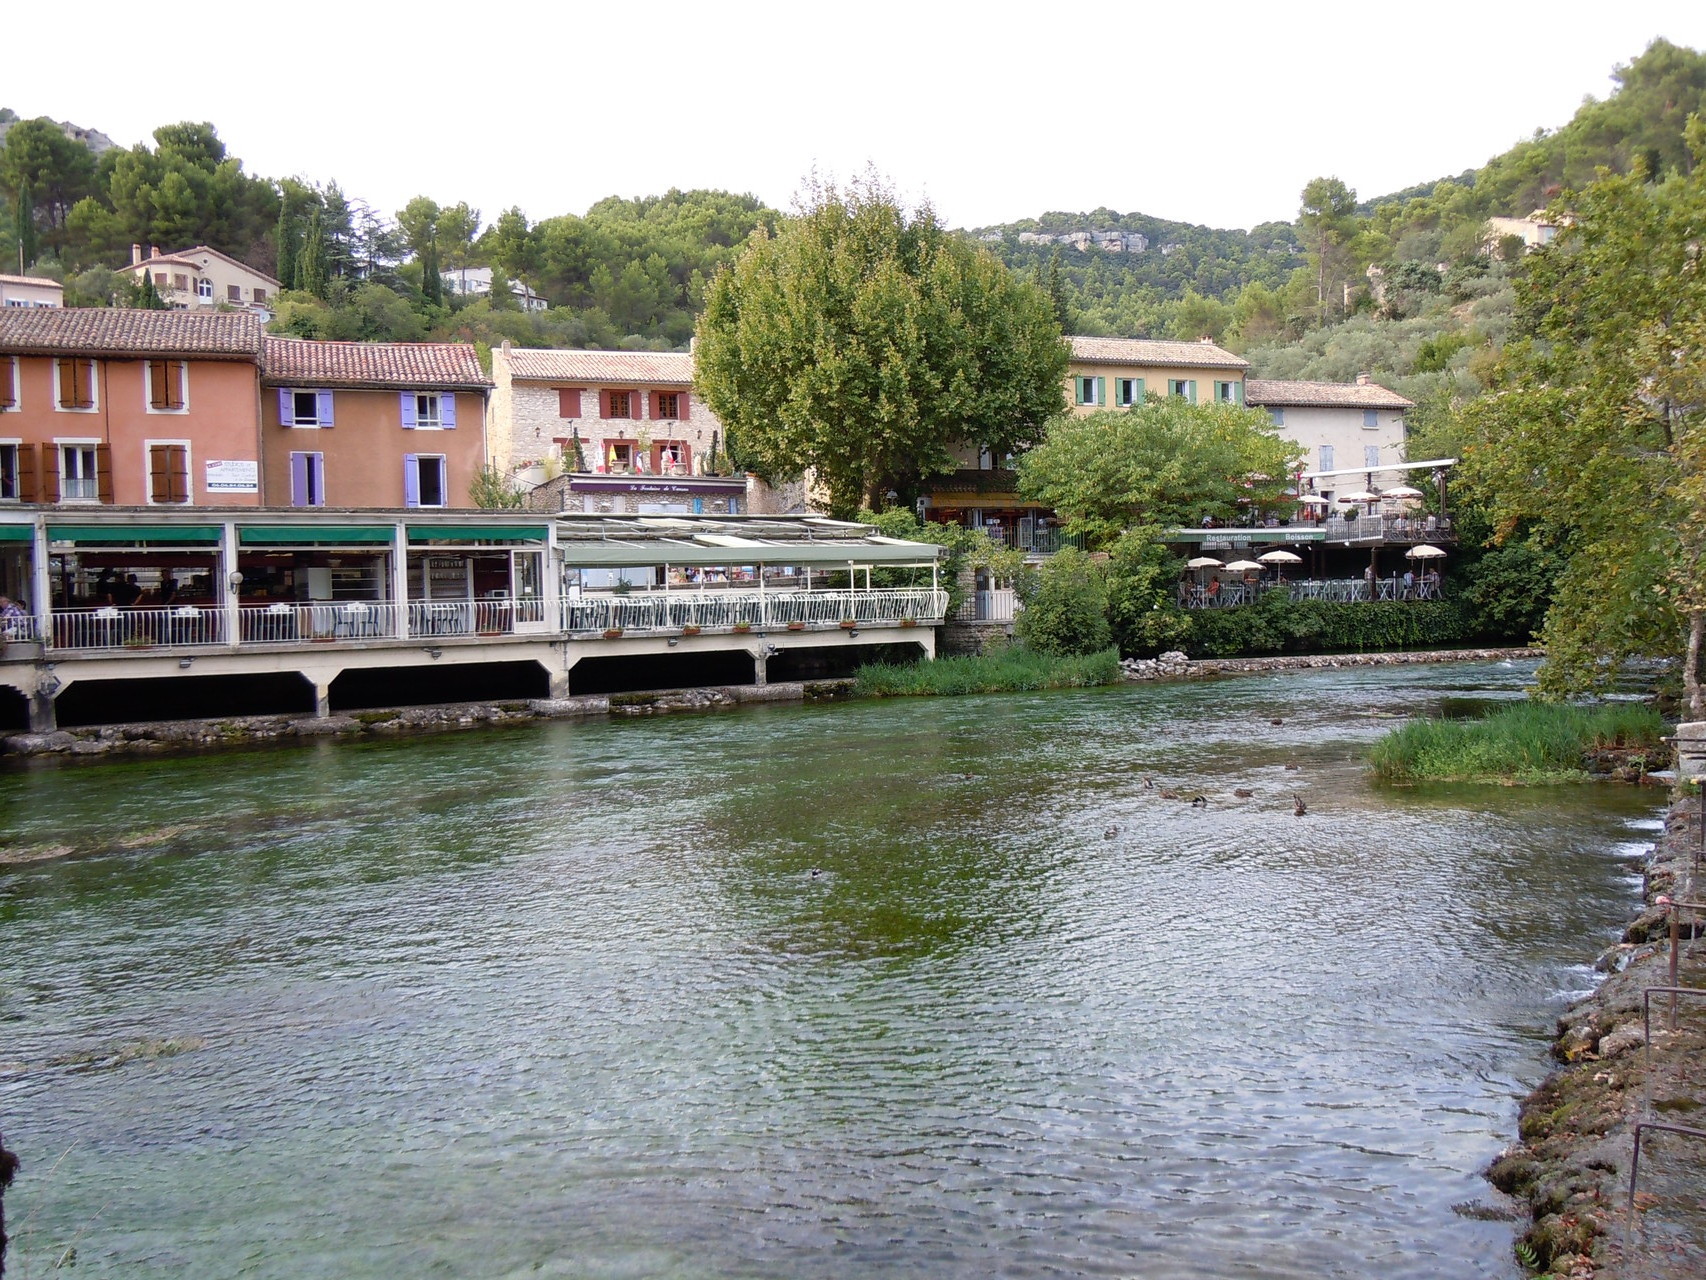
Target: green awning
x,y
314,535
17,533
135,535
477,533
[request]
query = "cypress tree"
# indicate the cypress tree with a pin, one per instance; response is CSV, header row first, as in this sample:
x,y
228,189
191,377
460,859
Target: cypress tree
x,y
285,241
311,273
24,218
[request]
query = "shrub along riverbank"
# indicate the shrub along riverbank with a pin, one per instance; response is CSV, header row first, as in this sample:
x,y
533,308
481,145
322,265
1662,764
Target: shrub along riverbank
x,y
1526,742
1007,670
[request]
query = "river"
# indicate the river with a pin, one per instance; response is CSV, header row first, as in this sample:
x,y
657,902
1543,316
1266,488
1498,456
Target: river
x,y
938,987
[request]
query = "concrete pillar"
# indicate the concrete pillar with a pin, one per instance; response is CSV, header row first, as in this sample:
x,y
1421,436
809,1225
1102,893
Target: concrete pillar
x,y
559,683
1690,751
760,663
42,718
322,698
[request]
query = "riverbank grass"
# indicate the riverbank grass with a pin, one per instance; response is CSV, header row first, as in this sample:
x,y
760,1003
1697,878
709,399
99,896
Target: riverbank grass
x,y
1526,743
1007,670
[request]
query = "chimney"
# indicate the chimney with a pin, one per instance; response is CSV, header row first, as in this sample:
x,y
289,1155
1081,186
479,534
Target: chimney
x,y
505,347
135,254
153,251
1364,380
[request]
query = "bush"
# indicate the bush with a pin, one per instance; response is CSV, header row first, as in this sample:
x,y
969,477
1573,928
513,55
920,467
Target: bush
x,y
1066,611
1004,670
1529,742
1279,625
1507,591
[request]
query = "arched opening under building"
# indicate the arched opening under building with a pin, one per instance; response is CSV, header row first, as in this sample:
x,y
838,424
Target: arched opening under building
x,y
630,673
836,662
14,709
362,688
185,697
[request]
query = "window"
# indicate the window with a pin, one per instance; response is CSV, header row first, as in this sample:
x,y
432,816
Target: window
x,y
619,455
1229,392
74,384
260,295
1370,418
204,289
79,474
1371,455
304,408
159,279
1186,387
10,490
167,386
1326,457
1088,389
568,402
428,411
8,383
180,282
668,405
1128,392
233,293
1278,415
669,455
168,473
423,480
618,404
307,479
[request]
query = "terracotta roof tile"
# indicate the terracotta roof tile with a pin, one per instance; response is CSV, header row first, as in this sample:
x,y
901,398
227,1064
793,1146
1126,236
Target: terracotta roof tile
x,y
36,280
188,258
403,365
117,331
1149,351
1323,395
634,368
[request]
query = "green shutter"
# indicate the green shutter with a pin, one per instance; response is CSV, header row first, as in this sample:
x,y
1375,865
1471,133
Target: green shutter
x,y
1238,392
1101,391
322,535
1138,399
1191,390
135,535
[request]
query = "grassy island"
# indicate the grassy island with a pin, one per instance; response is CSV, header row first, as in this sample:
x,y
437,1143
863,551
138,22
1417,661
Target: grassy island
x,y
1007,670
1526,743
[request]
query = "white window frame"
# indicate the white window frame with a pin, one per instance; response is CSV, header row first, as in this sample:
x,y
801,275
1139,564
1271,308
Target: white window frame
x,y
296,423
148,473
203,289
17,445
17,385
429,411
313,469
94,385
443,462
92,444
1371,419
148,386
1126,392
1084,389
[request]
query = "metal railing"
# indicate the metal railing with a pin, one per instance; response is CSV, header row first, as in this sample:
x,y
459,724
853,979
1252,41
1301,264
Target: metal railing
x,y
21,628
724,610
1193,595
1389,528
999,605
111,627
1033,539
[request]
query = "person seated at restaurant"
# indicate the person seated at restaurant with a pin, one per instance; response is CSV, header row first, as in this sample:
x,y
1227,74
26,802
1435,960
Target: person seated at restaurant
x,y
126,593
1213,588
168,592
12,619
102,591
1409,584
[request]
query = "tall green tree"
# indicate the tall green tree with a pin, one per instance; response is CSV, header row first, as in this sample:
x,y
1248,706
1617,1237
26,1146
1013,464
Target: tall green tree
x,y
46,172
863,341
1328,220
1594,439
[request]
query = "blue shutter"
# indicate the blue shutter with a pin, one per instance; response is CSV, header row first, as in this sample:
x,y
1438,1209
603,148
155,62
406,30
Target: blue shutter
x,y
323,407
411,480
298,479
286,407
1370,418
447,411
1327,457
408,406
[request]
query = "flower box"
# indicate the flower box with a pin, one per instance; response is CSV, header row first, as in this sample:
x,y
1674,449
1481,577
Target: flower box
x,y
741,628
690,630
848,624
796,626
909,622
613,633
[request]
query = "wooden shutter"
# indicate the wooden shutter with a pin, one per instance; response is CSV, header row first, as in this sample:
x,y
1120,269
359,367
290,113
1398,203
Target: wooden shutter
x,y
681,405
408,407
447,411
178,469
568,402
8,382
104,472
1138,397
159,474
1191,390
634,398
29,471
323,407
1101,391
50,456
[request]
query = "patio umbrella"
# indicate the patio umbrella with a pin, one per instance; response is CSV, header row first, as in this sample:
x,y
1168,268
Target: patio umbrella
x,y
1280,557
1366,495
1424,552
1202,562
1241,566
1402,491
1310,500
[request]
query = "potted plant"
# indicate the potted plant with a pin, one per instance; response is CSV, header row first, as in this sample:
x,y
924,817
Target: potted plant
x,y
691,629
613,633
796,626
741,628
848,624
909,622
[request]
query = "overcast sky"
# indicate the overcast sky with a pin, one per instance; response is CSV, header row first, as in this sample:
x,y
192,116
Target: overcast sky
x,y
1213,113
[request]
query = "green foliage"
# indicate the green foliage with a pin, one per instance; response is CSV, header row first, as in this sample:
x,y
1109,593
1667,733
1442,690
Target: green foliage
x,y
1142,577
1008,669
1276,624
968,549
1163,463
493,490
1066,607
863,341
1528,742
1508,590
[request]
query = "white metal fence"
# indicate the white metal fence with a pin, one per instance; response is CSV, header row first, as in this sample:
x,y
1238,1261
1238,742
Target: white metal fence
x,y
721,610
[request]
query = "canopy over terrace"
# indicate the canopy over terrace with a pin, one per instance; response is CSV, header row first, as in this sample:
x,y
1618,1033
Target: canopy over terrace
x,y
810,543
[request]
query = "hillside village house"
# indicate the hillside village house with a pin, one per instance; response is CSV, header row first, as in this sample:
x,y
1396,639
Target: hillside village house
x,y
476,282
371,424
146,408
31,291
204,279
1346,429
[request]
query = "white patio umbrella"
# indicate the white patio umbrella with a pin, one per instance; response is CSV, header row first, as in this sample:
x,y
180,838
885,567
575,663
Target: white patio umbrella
x,y
1402,491
1242,566
1280,557
1310,500
1424,552
1202,562
1367,495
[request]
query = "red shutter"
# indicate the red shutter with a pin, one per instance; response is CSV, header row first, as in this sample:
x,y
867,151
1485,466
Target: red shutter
x,y
685,452
29,471
49,472
568,402
603,403
67,383
682,403
104,472
657,404
634,398
158,397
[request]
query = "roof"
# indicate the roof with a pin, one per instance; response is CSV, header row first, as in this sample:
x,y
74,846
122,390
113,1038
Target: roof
x,y
1149,351
185,256
613,541
1323,395
448,366
652,368
42,281
118,331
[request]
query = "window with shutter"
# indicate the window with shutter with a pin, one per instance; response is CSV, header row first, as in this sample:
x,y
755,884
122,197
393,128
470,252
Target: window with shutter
x,y
233,293
168,473
1370,418
666,404
166,386
8,383
568,402
307,479
616,404
76,384
77,473
9,473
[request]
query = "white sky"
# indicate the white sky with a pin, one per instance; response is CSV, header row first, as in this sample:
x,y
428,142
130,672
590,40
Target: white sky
x,y
1214,113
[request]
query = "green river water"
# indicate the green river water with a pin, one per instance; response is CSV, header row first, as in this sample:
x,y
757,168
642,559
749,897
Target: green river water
x,y
917,988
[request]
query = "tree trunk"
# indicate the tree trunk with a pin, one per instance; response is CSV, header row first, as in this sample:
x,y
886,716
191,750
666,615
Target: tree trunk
x,y
1691,666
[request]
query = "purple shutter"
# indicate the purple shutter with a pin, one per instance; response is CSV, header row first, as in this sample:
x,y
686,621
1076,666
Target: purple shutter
x,y
298,479
323,407
286,407
411,480
447,411
408,400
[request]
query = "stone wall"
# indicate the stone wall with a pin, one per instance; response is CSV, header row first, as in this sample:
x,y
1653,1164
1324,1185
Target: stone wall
x,y
960,639
526,425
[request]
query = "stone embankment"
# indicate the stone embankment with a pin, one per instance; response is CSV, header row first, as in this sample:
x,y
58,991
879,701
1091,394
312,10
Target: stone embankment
x,y
179,735
1577,1129
1175,664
